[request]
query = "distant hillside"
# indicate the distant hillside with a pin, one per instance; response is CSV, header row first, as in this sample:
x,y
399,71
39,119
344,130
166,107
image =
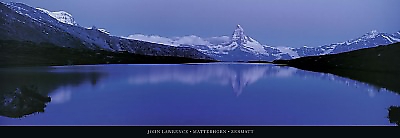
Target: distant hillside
x,y
378,66
380,59
21,22
26,53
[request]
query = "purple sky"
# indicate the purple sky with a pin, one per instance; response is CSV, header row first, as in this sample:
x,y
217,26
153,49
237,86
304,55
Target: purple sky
x,y
273,22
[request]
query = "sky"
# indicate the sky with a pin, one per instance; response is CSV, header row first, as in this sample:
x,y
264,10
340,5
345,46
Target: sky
x,y
293,23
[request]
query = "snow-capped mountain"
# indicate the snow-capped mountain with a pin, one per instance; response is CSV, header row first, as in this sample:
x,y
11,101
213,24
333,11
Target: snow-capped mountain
x,y
237,47
370,39
240,47
24,23
61,16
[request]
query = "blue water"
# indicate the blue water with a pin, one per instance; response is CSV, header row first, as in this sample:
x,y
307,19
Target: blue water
x,y
197,94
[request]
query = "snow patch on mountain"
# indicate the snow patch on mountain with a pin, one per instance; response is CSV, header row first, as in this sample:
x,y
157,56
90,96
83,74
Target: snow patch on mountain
x,y
371,34
388,38
288,50
328,49
104,31
254,46
61,16
395,39
99,29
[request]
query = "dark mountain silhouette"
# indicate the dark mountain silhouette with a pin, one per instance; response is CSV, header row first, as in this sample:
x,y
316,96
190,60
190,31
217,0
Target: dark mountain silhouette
x,y
22,23
25,91
21,102
17,53
394,115
378,65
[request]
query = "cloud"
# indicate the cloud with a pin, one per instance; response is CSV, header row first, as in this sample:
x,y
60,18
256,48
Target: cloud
x,y
153,39
177,41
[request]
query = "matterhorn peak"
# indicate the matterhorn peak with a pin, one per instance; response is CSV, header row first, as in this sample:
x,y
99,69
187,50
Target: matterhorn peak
x,y
238,35
238,27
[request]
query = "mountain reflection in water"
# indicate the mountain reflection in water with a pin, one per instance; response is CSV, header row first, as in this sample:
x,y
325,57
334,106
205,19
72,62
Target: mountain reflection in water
x,y
26,91
236,75
100,87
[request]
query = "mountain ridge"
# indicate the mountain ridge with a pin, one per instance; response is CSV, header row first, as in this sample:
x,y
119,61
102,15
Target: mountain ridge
x,y
24,23
61,16
251,49
237,47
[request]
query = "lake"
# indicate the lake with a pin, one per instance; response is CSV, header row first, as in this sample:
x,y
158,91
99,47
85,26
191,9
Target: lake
x,y
188,94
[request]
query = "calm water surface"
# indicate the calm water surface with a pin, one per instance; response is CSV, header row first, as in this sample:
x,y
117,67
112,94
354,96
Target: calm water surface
x,y
191,94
